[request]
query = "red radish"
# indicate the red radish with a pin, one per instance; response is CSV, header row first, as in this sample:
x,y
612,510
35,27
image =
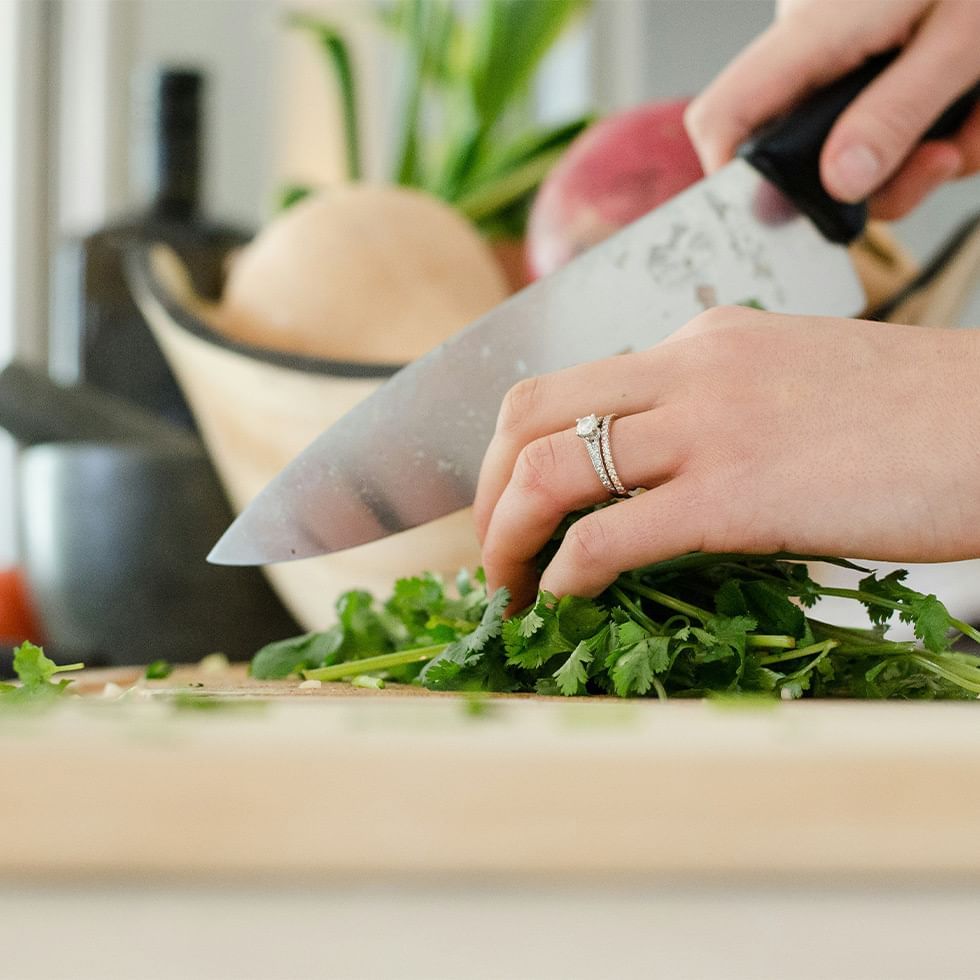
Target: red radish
x,y
617,170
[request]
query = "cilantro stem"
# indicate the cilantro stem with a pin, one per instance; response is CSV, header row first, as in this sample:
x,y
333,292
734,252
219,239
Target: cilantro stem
x,y
859,641
771,640
669,601
60,668
965,628
866,597
638,614
822,649
659,688
968,680
366,665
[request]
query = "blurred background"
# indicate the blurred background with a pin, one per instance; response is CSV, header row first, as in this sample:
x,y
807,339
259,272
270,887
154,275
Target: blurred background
x,y
194,123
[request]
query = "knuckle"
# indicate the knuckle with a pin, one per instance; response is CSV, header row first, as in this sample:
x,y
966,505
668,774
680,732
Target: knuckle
x,y
695,117
718,318
587,544
536,466
519,404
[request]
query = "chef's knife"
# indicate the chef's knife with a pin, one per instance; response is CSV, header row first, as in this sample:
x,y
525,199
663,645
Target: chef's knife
x,y
762,229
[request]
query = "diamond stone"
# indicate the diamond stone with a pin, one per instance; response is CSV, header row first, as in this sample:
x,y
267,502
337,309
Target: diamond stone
x,y
587,428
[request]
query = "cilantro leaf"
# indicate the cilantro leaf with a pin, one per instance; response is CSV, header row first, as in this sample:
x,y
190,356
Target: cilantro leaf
x,y
530,624
578,619
285,657
443,672
157,670
35,672
930,621
32,666
572,674
632,672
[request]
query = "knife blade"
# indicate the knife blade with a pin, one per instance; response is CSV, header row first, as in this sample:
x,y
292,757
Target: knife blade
x,y
411,452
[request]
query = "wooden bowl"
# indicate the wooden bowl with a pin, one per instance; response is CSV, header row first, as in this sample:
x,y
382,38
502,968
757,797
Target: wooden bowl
x,y
256,410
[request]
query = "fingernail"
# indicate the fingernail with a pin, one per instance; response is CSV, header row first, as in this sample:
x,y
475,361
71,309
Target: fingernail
x,y
854,173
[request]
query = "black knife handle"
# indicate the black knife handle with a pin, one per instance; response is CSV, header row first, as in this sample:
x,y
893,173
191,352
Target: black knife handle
x,y
787,150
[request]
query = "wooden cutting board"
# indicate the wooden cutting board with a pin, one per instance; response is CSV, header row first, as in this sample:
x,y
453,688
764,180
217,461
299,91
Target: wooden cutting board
x,y
337,781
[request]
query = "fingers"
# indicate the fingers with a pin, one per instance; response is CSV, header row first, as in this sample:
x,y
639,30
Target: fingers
x,y
553,477
929,166
967,141
879,130
626,385
552,402
807,49
660,524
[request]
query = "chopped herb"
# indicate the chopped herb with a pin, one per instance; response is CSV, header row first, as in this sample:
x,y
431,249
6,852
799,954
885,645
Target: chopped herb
x,y
158,670
35,672
369,681
723,625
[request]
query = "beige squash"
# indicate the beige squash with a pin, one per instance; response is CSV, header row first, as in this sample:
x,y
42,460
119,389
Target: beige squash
x,y
365,274
360,272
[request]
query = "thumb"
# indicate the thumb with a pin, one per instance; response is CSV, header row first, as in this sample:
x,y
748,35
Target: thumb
x,y
879,130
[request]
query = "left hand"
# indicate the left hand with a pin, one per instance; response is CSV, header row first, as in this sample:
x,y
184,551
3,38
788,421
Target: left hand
x,y
753,432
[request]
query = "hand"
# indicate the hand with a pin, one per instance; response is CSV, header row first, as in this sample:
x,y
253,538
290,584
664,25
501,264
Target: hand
x,y
754,432
874,146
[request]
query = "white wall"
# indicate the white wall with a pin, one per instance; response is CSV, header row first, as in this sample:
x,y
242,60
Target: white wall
x,y
23,212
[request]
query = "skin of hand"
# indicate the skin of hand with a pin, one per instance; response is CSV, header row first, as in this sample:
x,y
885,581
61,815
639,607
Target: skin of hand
x,y
875,145
753,432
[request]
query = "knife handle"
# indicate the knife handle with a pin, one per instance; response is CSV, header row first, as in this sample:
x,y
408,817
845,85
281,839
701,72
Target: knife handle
x,y
787,150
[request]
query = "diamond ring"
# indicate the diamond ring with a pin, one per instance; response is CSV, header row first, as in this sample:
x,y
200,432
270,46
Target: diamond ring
x,y
595,433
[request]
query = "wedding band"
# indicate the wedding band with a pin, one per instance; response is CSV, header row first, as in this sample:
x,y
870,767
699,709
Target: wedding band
x,y
589,428
607,455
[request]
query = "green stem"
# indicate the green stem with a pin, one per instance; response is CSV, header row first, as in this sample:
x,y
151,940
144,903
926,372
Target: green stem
x,y
366,665
368,681
858,596
638,614
670,602
827,646
968,681
660,689
859,641
337,56
502,190
965,628
772,641
778,658
61,668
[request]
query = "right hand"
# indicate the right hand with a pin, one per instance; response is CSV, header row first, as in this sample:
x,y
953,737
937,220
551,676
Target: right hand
x,y
873,149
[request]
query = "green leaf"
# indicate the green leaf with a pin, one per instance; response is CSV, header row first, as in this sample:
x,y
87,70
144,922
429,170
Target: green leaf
x,y
364,630
485,197
772,610
35,672
158,670
930,622
32,666
532,645
578,619
443,672
572,674
633,672
299,653
511,39
529,624
336,56
292,194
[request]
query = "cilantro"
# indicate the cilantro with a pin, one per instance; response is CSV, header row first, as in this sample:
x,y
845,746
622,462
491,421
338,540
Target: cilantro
x,y
693,626
572,674
285,657
444,671
36,674
158,670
